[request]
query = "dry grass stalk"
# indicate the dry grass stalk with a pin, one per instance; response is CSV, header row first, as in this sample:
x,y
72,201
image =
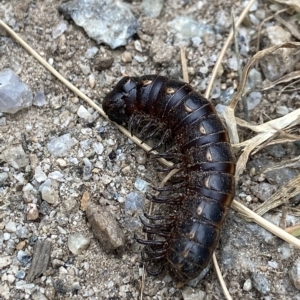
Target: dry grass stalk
x,y
220,277
250,215
225,47
266,131
282,196
229,113
184,65
286,78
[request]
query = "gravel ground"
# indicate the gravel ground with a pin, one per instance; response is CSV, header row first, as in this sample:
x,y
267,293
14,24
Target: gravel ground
x,y
102,166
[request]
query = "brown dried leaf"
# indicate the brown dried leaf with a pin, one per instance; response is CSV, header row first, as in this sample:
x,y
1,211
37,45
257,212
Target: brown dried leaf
x,y
294,230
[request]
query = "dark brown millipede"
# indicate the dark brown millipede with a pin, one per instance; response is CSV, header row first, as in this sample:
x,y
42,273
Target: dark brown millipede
x,y
203,190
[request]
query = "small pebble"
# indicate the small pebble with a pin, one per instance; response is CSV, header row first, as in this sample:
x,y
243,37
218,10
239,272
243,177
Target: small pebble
x,y
126,57
83,113
23,257
141,157
5,261
261,283
20,275
77,243
59,30
6,236
33,212
141,185
61,162
134,202
247,285
22,231
21,245
105,227
39,175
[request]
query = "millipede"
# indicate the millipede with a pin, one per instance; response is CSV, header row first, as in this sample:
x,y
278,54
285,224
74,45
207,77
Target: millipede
x,y
203,189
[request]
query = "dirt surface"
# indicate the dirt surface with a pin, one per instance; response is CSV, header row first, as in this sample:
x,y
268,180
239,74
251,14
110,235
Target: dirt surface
x,y
250,258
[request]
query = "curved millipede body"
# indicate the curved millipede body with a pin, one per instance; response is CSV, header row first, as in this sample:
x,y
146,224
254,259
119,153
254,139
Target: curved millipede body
x,y
204,188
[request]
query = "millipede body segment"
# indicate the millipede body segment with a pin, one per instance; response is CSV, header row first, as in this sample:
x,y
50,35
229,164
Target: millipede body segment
x,y
157,106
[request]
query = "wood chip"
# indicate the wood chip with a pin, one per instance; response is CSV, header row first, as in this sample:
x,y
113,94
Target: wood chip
x,y
85,201
41,258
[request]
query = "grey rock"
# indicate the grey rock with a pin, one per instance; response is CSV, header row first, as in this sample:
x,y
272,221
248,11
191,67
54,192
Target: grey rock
x,y
190,294
186,27
247,285
152,8
56,175
39,99
87,169
16,157
282,110
281,61
3,121
10,246
105,227
83,113
59,30
223,19
77,243
32,212
264,190
39,174
141,185
254,79
5,261
3,177
49,191
91,52
22,231
110,22
60,146
98,147
276,150
5,291
69,205
20,274
253,100
141,157
37,295
161,52
294,274
285,251
6,236
134,202
11,226
281,176
227,95
14,94
23,257
232,62
261,283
